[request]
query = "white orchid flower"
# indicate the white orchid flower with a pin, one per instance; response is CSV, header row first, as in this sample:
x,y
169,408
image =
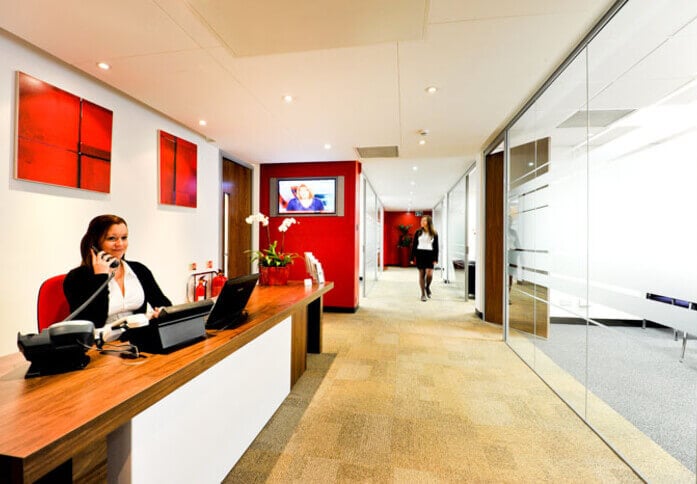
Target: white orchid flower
x,y
285,225
258,217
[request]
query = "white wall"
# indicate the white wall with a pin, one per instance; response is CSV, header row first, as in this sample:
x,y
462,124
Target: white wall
x,y
43,225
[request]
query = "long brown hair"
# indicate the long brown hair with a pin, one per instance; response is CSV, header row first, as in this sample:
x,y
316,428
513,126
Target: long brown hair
x,y
429,226
96,231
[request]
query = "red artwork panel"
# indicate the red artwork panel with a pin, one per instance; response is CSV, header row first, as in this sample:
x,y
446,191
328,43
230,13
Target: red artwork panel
x,y
95,174
95,139
177,171
33,164
61,138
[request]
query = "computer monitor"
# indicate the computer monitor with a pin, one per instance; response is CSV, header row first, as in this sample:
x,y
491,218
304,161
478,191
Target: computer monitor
x,y
228,310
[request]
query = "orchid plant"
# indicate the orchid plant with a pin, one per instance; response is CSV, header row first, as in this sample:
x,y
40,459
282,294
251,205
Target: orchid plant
x,y
273,256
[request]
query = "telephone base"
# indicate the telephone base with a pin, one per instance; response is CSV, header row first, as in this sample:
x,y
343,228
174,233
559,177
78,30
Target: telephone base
x,y
56,366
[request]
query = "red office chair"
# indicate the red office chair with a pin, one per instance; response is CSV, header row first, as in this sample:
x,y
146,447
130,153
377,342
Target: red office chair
x,y
52,306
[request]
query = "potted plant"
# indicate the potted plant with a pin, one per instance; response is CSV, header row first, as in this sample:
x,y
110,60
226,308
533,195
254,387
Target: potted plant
x,y
404,244
273,262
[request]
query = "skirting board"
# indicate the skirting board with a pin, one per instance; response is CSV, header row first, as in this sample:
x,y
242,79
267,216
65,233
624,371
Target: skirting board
x,y
336,309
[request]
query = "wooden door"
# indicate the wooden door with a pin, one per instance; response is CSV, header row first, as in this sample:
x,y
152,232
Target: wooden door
x,y
237,205
493,248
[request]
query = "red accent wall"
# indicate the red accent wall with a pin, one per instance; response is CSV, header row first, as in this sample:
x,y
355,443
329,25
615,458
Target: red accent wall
x,y
332,239
391,235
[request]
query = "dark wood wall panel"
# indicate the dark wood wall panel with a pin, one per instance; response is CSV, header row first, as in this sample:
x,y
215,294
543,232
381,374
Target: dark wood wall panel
x,y
237,182
493,272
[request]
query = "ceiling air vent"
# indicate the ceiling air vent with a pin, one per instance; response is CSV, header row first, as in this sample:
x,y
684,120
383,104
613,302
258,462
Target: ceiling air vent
x,y
378,152
599,118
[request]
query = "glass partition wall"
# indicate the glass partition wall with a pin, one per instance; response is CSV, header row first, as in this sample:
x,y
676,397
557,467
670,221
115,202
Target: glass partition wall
x,y
371,237
441,226
456,257
602,273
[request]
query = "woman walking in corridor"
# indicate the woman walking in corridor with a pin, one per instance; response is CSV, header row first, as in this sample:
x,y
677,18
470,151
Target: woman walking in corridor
x,y
424,250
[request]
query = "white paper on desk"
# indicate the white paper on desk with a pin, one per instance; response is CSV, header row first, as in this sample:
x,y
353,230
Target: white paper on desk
x,y
310,261
320,273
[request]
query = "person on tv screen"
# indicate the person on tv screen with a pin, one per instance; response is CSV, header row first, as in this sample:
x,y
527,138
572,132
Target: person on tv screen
x,y
132,288
304,201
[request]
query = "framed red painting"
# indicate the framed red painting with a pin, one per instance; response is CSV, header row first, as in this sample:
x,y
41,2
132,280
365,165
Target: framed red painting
x,y
62,139
177,171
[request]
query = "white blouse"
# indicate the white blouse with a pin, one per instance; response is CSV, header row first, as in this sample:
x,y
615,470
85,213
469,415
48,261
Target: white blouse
x,y
425,242
121,305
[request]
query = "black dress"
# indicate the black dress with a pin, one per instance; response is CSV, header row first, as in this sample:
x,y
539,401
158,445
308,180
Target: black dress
x,y
425,259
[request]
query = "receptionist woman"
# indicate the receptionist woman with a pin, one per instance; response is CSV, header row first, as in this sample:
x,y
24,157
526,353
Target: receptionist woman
x,y
133,287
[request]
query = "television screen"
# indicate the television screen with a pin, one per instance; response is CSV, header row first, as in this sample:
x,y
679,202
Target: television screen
x,y
307,195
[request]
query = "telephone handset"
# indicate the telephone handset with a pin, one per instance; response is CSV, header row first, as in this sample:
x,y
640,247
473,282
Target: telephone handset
x,y
113,261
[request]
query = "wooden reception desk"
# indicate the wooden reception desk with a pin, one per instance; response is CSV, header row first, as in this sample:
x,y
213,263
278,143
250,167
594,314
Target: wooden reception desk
x,y
115,418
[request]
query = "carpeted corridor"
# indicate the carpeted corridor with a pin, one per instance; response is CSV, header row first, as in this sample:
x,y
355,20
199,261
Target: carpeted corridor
x,y
410,391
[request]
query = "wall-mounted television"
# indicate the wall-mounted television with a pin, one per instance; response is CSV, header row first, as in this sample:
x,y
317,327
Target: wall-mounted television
x,y
301,196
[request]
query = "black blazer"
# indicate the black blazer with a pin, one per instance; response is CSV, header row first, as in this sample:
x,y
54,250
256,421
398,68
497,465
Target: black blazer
x,y
415,243
81,282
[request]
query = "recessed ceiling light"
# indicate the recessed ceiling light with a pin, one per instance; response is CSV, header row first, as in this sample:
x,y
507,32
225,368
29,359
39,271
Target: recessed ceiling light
x,y
202,122
288,98
422,141
327,146
530,163
103,66
413,183
431,89
415,168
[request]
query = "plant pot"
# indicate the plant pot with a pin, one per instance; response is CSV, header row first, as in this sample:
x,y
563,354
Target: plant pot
x,y
404,255
273,276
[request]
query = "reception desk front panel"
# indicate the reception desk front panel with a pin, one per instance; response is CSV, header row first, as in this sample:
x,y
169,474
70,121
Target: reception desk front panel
x,y
198,432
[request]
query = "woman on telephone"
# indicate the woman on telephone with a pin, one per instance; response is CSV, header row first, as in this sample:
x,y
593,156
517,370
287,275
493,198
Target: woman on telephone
x,y
132,286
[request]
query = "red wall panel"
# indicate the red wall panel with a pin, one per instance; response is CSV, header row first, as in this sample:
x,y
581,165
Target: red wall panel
x,y
392,233
332,239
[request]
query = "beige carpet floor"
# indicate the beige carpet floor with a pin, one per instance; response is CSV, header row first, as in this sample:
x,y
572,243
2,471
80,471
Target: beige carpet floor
x,y
410,391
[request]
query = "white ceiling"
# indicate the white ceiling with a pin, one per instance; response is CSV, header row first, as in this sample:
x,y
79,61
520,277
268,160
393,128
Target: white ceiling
x,y
357,69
